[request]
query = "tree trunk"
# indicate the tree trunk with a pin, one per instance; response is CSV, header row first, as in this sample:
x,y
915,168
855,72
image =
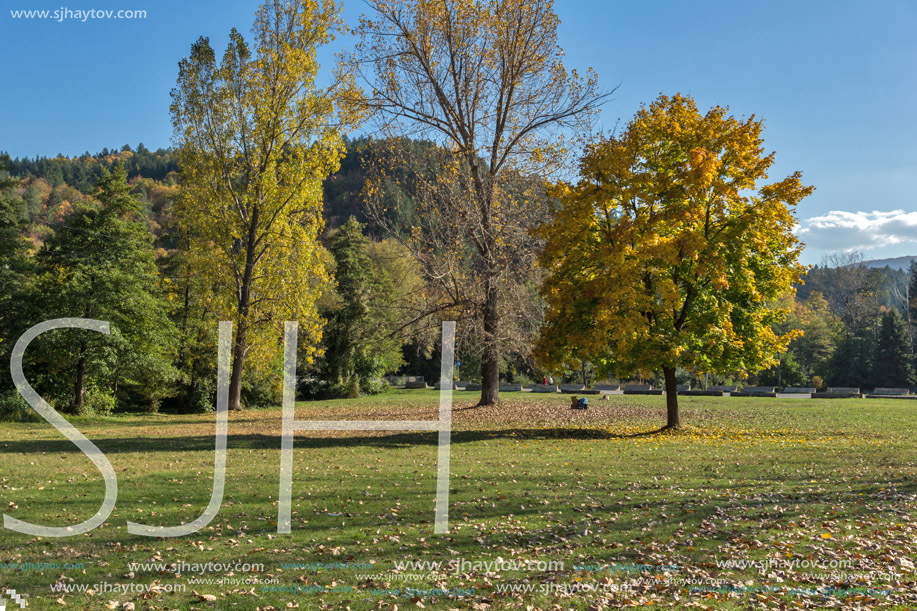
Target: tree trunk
x,y
79,383
671,398
245,292
490,364
238,360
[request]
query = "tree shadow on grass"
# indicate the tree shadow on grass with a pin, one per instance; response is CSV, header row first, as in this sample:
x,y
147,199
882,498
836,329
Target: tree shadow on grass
x,y
257,441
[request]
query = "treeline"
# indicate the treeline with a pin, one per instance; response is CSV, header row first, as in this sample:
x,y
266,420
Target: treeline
x,y
82,172
859,325
670,253
107,247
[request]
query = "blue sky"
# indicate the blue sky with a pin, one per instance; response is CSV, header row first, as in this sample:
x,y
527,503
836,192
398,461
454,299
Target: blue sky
x,y
833,80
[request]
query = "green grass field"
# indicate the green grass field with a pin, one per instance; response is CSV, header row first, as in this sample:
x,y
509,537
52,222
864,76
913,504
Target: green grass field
x,y
756,503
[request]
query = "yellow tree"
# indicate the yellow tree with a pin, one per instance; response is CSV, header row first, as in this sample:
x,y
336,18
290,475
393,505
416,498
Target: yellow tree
x,y
484,80
669,252
255,139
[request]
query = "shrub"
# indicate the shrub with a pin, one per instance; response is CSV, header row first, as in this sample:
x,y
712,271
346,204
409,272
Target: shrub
x,y
351,389
311,389
373,386
202,396
260,389
97,402
13,408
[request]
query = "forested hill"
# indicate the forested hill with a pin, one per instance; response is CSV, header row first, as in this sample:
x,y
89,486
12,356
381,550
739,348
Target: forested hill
x,y
49,186
82,172
841,305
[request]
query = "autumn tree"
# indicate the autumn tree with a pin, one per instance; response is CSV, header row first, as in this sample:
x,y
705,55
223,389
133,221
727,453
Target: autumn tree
x,y
669,252
484,80
255,139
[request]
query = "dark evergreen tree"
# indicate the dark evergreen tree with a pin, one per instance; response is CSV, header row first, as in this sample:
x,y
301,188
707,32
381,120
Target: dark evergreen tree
x,y
32,200
15,270
912,307
358,337
101,265
851,363
893,366
52,207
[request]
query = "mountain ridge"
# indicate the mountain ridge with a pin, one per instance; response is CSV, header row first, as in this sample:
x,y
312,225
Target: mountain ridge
x,y
892,262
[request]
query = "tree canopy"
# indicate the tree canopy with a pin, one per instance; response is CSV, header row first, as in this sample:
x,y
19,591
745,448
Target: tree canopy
x,y
485,80
256,137
669,252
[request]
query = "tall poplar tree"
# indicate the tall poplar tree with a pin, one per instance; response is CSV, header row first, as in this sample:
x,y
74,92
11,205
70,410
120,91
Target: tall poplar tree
x,y
255,139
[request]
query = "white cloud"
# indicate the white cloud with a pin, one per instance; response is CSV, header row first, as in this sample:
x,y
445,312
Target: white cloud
x,y
862,231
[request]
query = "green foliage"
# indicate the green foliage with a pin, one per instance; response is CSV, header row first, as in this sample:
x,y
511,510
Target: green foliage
x,y
202,397
893,364
16,271
260,388
373,386
102,266
788,372
13,408
97,402
851,363
359,316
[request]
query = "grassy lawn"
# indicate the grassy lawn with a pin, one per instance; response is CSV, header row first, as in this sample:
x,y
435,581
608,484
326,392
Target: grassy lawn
x,y
756,503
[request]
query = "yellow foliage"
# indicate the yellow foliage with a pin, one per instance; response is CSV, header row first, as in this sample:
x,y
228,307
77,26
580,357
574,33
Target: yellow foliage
x,y
255,140
668,252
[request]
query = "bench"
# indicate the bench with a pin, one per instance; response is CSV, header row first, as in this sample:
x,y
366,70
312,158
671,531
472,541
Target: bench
x,y
755,391
796,392
712,391
838,392
544,388
891,393
641,389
